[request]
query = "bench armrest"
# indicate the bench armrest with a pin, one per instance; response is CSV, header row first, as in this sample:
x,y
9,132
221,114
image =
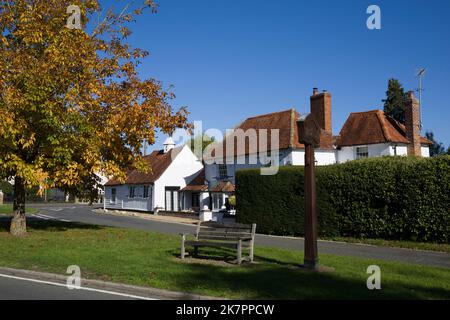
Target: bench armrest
x,y
245,238
185,234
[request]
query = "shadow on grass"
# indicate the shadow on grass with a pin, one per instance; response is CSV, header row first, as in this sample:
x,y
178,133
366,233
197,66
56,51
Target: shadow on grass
x,y
272,282
217,254
270,278
47,225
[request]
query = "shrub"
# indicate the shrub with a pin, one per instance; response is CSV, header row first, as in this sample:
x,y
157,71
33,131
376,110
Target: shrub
x,y
387,197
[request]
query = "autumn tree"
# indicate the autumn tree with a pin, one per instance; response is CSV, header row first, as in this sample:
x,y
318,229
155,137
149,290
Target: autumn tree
x,y
71,100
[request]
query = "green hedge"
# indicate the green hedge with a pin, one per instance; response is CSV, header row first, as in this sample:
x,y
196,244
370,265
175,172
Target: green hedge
x,y
389,197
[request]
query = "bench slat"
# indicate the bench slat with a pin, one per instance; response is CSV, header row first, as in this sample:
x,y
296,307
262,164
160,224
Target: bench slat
x,y
229,238
222,233
211,244
227,226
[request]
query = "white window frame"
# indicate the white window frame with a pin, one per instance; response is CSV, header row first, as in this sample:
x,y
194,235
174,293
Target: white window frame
x,y
148,192
131,192
113,200
362,155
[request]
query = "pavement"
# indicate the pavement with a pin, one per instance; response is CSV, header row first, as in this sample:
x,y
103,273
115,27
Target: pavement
x,y
86,214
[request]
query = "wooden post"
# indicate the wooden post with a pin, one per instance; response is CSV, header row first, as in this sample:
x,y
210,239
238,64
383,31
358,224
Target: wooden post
x,y
309,135
252,242
311,257
239,252
183,252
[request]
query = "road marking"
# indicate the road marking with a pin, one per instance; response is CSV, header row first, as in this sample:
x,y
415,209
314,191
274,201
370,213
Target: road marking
x,y
45,217
81,288
39,216
50,217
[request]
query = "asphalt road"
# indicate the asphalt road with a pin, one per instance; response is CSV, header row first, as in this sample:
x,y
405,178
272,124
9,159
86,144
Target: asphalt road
x,y
20,289
84,213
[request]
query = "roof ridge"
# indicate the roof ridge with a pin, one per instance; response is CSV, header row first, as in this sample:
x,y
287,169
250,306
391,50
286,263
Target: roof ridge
x,y
382,120
368,111
270,113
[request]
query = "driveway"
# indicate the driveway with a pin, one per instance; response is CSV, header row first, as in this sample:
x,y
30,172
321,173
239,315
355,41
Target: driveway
x,y
84,213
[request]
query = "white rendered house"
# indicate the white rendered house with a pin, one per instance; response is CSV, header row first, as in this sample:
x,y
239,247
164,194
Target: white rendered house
x,y
365,134
159,190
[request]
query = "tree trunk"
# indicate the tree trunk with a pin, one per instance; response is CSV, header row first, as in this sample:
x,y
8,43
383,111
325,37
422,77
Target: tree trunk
x,y
18,223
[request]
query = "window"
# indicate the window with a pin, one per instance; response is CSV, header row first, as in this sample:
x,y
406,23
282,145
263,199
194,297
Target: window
x,y
223,173
113,195
131,192
146,188
196,200
217,201
362,152
172,201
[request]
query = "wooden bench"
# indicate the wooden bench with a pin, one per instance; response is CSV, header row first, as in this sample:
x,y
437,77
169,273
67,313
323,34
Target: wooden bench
x,y
238,236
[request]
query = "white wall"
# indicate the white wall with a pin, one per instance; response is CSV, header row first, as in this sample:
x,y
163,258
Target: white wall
x,y
345,154
323,157
402,150
123,202
375,150
425,150
180,172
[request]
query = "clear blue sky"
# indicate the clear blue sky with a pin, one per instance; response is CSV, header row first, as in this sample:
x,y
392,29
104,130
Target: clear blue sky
x,y
229,60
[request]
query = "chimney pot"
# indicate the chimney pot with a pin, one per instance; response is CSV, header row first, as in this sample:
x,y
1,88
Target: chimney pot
x,y
315,91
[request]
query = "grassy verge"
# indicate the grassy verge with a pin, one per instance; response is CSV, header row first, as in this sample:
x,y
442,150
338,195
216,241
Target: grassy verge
x,y
151,259
441,247
7,209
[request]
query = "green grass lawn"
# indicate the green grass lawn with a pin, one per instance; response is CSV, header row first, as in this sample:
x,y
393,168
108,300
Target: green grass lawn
x,y
7,209
151,259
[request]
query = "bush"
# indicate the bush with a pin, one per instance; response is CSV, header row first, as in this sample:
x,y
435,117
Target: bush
x,y
390,197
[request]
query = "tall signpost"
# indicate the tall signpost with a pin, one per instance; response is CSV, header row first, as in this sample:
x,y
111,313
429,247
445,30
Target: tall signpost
x,y
309,135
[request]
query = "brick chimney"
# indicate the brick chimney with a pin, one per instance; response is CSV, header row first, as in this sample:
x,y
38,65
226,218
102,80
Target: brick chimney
x,y
412,124
321,108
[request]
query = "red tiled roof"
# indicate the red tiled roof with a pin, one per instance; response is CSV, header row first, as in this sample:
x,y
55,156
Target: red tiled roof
x,y
197,184
158,162
224,186
285,121
372,127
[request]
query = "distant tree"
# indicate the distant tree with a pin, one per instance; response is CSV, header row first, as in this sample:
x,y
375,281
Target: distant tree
x,y
201,142
6,187
394,104
437,148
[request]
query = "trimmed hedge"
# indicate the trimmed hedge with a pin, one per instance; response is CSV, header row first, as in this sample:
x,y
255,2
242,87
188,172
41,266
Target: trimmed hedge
x,y
389,197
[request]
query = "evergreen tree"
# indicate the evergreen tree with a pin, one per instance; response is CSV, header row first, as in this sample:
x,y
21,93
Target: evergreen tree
x,y
437,148
394,104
